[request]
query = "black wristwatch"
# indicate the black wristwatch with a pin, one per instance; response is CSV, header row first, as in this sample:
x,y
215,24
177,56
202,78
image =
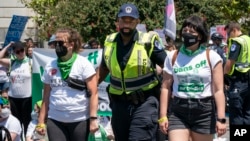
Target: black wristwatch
x,y
222,120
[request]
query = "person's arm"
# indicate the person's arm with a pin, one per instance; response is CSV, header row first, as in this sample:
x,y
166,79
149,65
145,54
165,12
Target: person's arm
x,y
13,136
102,71
159,54
232,57
92,87
44,110
228,66
5,61
164,100
219,96
5,49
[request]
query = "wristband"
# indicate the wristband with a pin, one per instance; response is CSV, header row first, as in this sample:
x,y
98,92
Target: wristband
x,y
40,125
93,118
161,120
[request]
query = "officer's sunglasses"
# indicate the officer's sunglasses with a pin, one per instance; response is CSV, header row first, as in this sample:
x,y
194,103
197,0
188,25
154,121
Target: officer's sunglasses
x,y
19,51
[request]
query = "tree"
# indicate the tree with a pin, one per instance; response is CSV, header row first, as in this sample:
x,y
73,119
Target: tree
x,y
97,18
93,18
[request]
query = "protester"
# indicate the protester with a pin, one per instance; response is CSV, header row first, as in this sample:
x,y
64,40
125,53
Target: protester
x,y
94,44
31,134
51,42
129,56
30,43
29,51
9,121
188,79
20,82
70,99
237,72
4,79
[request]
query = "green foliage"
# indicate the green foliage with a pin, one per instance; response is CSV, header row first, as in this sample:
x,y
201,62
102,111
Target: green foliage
x,y
97,18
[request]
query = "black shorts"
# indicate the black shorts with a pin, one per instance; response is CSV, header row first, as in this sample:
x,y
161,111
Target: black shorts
x,y
197,115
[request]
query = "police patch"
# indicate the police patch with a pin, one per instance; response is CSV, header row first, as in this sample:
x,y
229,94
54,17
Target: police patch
x,y
233,47
158,45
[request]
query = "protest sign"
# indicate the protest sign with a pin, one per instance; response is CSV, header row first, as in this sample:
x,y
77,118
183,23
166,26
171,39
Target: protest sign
x,y
15,29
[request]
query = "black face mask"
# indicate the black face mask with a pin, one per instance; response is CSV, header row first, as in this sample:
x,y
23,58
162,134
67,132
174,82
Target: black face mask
x,y
189,39
60,49
128,34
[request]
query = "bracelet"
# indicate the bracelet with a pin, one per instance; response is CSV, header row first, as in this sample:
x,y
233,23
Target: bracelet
x,y
40,125
92,117
161,120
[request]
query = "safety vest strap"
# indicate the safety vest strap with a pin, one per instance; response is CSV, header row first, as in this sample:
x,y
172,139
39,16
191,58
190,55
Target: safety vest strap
x,y
111,37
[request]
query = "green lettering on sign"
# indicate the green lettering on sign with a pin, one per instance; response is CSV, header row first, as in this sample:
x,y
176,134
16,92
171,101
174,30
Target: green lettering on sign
x,y
92,57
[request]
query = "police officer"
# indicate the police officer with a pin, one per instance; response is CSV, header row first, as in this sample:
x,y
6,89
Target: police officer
x,y
130,57
217,44
237,70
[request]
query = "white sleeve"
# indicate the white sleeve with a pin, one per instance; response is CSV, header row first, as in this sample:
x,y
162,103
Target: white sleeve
x,y
15,126
30,129
168,63
45,78
88,69
214,58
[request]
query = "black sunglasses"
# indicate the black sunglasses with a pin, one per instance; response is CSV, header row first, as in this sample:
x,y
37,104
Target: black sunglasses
x,y
19,51
58,43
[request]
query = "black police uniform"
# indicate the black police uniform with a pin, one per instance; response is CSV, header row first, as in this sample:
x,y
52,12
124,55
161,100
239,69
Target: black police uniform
x,y
239,92
135,121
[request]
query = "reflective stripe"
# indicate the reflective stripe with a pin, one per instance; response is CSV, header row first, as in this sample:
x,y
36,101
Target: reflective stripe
x,y
133,83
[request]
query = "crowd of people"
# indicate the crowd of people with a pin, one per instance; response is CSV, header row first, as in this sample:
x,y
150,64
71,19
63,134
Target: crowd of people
x,y
179,90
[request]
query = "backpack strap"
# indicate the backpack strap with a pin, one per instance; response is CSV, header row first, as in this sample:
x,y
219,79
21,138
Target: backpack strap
x,y
174,57
6,135
12,61
208,59
207,55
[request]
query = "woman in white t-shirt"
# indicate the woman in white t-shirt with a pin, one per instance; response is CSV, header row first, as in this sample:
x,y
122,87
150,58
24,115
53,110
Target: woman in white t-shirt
x,y
9,121
19,92
193,82
70,99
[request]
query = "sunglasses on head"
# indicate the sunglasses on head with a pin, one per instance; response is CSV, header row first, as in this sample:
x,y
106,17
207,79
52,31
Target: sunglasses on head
x,y
19,51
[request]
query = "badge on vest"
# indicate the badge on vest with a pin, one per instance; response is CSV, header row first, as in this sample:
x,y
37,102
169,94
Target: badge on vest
x,y
158,45
233,47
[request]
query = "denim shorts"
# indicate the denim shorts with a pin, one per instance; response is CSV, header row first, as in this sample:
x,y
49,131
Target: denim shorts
x,y
197,115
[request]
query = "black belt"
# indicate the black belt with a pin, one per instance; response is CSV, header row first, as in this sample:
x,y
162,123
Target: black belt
x,y
206,99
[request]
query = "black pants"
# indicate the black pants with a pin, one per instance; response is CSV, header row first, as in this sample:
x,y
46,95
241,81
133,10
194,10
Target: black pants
x,y
21,108
135,122
75,131
239,103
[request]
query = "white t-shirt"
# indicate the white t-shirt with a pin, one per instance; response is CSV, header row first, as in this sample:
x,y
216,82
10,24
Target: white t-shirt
x,y
191,74
20,78
68,104
13,125
31,128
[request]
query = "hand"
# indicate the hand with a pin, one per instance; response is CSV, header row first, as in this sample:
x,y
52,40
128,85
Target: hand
x,y
164,127
93,126
41,129
10,44
221,128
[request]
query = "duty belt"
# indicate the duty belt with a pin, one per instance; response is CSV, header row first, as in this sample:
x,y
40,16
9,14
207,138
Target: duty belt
x,y
135,97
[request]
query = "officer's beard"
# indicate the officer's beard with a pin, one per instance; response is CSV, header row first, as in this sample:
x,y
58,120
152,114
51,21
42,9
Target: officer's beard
x,y
127,32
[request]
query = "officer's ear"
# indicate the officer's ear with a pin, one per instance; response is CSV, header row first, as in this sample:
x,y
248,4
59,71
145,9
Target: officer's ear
x,y
138,21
